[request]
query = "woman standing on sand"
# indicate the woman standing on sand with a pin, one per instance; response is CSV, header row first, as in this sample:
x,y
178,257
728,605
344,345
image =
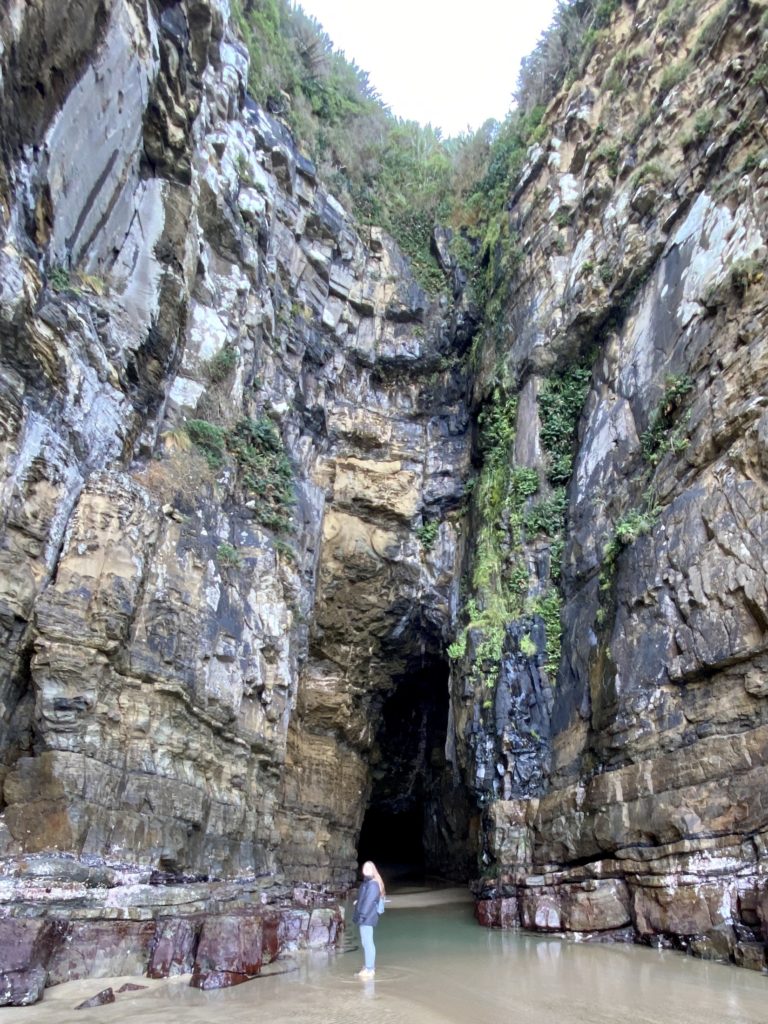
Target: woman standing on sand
x,y
370,903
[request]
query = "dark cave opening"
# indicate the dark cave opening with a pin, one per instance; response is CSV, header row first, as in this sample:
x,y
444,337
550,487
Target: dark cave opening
x,y
391,837
417,822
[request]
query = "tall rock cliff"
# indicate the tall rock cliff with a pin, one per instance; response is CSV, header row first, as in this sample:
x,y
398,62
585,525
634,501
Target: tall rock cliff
x,y
225,413
247,517
639,236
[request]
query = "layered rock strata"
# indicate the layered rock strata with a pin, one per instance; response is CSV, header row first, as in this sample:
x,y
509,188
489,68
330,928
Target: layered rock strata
x,y
97,925
224,414
184,687
644,256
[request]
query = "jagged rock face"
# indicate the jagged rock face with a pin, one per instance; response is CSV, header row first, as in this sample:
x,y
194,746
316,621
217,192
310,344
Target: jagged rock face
x,y
181,686
658,760
185,686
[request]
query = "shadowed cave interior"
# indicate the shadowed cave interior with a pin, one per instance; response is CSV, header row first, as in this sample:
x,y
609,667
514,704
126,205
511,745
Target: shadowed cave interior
x,y
417,820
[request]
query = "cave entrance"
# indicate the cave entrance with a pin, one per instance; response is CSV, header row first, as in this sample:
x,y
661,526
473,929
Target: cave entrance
x,y
418,818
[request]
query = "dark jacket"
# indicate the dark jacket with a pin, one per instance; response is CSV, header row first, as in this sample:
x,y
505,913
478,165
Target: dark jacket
x,y
366,909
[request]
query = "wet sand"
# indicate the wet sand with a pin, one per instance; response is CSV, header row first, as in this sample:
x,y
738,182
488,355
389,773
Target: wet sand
x,y
436,966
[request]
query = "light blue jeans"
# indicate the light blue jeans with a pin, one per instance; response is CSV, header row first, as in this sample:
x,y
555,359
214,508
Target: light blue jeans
x,y
369,950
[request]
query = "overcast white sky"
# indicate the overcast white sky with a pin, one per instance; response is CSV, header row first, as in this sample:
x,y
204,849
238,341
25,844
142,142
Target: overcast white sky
x,y
451,63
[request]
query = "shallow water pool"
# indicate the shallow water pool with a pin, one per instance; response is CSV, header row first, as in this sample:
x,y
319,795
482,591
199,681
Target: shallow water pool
x,y
435,964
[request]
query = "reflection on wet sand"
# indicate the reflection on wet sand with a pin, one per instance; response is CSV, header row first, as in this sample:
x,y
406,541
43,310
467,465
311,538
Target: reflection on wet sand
x,y
436,965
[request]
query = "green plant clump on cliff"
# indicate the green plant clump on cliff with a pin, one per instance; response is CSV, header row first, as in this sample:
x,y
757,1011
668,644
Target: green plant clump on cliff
x,y
210,439
672,76
547,516
661,435
59,279
549,607
228,556
560,403
219,367
264,471
427,534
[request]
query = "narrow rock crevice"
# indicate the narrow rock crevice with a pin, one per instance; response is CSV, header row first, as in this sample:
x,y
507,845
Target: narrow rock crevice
x,y
415,819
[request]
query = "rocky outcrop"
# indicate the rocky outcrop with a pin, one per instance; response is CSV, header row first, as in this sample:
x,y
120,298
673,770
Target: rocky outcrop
x,y
225,413
185,677
221,935
644,257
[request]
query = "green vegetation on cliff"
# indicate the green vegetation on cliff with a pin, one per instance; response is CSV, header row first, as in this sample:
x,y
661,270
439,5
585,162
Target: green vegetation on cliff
x,y
389,172
560,402
256,451
399,174
407,178
499,581
508,519
663,433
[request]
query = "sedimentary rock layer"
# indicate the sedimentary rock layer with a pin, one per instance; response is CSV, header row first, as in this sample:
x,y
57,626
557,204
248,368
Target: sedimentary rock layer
x,y
220,935
188,669
644,257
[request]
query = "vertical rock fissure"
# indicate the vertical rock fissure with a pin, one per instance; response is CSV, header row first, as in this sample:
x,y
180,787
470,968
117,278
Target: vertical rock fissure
x,y
19,711
416,817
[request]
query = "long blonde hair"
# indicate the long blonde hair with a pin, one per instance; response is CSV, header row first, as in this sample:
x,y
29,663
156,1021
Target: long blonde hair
x,y
370,871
